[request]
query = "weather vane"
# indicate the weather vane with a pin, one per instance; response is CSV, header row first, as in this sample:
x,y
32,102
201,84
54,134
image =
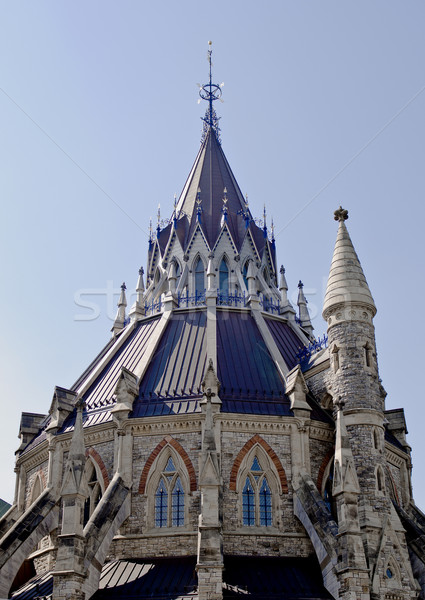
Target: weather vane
x,y
210,92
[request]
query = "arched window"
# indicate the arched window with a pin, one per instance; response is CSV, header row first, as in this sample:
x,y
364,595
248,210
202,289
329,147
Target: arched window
x,y
256,497
327,492
169,498
380,479
224,278
178,270
244,274
95,492
199,277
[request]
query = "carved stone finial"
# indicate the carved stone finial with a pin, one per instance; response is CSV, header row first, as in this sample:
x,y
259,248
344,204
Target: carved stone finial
x,y
341,214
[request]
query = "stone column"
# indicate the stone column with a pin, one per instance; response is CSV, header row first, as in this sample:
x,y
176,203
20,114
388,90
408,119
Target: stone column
x,y
210,552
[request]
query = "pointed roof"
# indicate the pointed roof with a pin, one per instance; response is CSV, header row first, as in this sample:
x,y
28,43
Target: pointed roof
x,y
346,282
211,173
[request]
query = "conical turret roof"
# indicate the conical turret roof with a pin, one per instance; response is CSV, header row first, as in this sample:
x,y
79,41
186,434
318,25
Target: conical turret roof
x,y
347,283
211,174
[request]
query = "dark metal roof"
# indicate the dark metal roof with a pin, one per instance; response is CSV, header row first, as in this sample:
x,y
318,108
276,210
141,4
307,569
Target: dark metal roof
x,y
177,368
286,340
129,355
166,578
40,586
245,367
260,578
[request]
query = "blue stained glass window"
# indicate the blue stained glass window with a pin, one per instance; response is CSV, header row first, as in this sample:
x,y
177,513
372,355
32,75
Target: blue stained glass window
x,y
256,465
248,504
170,465
224,277
199,277
265,504
161,505
178,504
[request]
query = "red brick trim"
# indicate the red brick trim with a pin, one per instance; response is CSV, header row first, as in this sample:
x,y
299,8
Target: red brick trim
x,y
94,455
329,456
257,439
168,440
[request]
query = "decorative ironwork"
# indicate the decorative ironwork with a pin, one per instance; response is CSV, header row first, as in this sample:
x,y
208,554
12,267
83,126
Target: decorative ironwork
x,y
210,92
268,305
313,347
226,299
198,299
153,307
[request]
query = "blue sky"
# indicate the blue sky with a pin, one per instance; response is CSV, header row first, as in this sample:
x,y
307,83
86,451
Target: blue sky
x,y
323,105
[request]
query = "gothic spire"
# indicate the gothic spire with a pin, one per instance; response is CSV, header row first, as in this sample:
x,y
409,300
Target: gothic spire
x,y
347,283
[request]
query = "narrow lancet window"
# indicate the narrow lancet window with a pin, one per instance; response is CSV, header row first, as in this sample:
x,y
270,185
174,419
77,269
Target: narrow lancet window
x,y
199,277
224,278
169,498
256,497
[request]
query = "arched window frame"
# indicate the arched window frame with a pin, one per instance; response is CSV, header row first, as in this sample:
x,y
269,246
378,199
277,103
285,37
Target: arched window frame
x,y
326,490
198,286
224,275
392,573
380,480
269,473
244,271
179,269
95,486
156,475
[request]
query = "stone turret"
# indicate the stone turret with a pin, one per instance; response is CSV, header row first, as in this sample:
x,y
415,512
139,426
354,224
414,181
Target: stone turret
x,y
349,309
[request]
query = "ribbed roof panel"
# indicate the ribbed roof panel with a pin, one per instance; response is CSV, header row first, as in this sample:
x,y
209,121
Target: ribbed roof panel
x,y
245,367
129,356
286,340
177,368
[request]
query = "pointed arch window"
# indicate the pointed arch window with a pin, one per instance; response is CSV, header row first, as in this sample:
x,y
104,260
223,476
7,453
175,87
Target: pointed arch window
x,y
244,274
327,492
199,277
224,278
256,497
169,498
95,493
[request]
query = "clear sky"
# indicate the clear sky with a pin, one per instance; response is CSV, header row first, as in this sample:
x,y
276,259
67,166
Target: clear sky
x,y
323,105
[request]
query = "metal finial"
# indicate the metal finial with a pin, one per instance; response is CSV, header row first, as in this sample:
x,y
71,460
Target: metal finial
x,y
272,230
264,215
158,214
300,284
198,202
341,214
141,271
123,286
282,270
210,92
150,229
